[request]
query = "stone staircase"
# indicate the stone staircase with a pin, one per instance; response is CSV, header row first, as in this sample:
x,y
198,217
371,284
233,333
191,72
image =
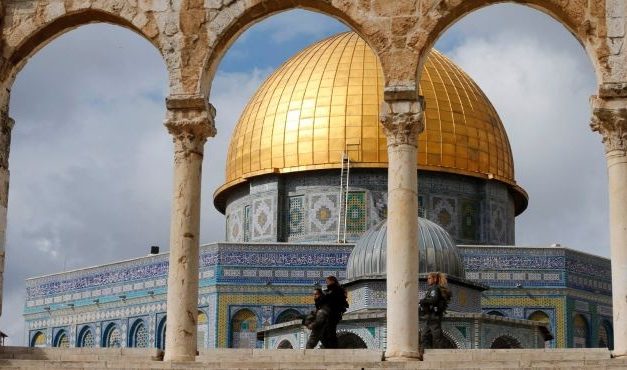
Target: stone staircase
x,y
19,358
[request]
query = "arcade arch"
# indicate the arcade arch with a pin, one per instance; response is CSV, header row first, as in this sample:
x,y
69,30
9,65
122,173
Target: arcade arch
x,y
401,33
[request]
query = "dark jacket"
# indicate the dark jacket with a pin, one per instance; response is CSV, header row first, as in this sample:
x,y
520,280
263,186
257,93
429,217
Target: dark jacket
x,y
435,301
335,298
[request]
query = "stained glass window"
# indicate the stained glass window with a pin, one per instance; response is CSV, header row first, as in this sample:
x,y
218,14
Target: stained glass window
x,y
63,342
356,212
87,339
247,223
39,340
113,338
296,216
140,339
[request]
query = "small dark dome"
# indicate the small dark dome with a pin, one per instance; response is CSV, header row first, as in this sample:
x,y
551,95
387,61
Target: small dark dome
x,y
438,252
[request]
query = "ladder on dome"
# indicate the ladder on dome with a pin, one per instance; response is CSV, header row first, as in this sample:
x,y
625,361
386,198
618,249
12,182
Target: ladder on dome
x,y
343,211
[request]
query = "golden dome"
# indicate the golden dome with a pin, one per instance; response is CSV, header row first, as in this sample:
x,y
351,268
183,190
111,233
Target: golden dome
x,y
326,100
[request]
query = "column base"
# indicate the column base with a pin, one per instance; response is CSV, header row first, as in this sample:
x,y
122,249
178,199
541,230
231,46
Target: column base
x,y
618,354
179,358
403,356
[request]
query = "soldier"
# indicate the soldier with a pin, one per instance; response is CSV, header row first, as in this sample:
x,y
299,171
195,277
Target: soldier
x,y
432,308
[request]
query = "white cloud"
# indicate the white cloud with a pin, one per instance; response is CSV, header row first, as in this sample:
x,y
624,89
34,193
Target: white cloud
x,y
541,93
230,93
295,24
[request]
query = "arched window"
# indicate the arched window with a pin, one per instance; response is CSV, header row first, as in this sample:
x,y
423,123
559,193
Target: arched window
x,y
581,332
350,340
285,344
62,340
505,341
161,327
606,335
202,329
288,315
244,329
139,335
39,340
112,337
86,338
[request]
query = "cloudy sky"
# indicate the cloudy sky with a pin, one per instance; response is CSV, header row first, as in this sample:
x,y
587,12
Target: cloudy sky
x,y
91,163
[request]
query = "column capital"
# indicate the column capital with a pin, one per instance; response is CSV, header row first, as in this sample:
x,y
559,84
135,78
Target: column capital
x,y
609,118
190,115
402,120
190,120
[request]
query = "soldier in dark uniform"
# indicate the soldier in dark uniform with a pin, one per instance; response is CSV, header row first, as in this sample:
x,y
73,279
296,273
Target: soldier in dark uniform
x,y
329,309
432,308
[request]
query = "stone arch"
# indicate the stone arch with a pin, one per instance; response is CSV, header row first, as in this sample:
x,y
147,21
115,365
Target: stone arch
x,y
581,331
505,341
243,329
230,22
86,338
61,340
38,340
285,344
349,339
571,16
111,336
289,314
451,339
138,335
45,31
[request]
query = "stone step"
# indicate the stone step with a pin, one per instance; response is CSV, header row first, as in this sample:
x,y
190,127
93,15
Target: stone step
x,y
77,354
324,360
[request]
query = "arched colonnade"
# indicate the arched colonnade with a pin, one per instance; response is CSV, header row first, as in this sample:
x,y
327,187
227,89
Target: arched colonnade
x,y
192,36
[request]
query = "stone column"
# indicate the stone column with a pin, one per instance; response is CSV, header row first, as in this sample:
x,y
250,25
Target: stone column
x,y
609,118
6,125
402,121
190,120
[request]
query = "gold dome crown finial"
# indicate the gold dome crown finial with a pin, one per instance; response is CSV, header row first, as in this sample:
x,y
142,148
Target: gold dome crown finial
x,y
326,99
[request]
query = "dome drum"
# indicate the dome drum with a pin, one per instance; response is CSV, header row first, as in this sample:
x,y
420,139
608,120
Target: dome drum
x,y
303,207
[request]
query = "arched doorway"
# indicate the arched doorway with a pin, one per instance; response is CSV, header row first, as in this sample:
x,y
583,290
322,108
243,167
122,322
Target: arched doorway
x,y
542,317
285,344
350,340
581,332
504,342
244,329
495,313
288,315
